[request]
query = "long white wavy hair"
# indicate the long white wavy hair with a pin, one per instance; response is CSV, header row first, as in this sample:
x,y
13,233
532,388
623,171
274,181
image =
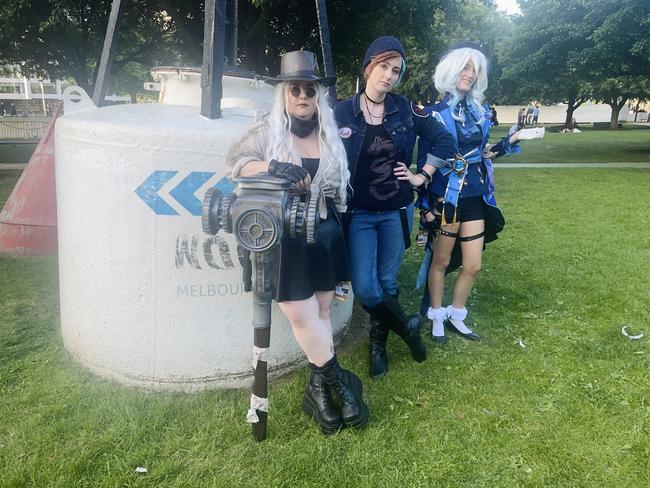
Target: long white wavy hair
x,y
446,76
332,153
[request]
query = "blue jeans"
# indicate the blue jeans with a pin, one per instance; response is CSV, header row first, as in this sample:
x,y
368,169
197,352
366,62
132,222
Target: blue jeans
x,y
375,243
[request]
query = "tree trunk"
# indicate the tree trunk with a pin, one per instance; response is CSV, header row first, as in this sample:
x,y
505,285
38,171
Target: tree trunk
x,y
569,111
613,121
616,105
572,104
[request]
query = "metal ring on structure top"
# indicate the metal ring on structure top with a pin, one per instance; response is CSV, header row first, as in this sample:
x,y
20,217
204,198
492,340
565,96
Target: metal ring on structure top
x,y
313,215
256,230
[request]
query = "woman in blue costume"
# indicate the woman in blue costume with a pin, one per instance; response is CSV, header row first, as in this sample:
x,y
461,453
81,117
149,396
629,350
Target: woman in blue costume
x,y
458,206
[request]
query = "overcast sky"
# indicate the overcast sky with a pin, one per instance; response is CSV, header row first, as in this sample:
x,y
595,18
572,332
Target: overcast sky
x,y
510,6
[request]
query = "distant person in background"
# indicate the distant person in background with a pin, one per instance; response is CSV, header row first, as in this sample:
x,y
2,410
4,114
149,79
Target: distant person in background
x,y
494,122
12,110
529,115
572,127
521,119
535,114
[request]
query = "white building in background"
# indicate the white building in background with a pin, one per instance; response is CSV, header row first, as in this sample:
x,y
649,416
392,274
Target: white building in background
x,y
587,113
32,97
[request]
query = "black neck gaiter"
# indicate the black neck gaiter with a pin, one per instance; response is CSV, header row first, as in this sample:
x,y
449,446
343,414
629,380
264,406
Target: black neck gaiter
x,y
302,128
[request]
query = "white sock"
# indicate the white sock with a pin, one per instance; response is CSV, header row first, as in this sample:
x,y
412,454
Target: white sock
x,y
437,316
457,317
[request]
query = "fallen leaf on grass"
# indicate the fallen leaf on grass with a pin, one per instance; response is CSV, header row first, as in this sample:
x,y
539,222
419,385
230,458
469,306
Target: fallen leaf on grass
x,y
399,399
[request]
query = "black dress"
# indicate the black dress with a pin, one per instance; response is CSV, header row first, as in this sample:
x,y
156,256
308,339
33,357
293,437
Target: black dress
x,y
304,269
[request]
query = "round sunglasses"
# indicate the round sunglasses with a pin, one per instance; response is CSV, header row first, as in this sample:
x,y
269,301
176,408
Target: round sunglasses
x,y
295,91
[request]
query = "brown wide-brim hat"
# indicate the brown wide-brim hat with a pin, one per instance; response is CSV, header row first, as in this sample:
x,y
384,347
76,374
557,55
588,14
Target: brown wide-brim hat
x,y
300,66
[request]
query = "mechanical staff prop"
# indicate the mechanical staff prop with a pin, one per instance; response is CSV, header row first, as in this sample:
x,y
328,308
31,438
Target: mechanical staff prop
x,y
262,212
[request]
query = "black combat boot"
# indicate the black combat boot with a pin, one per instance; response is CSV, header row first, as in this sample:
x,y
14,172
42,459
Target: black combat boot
x,y
347,388
317,402
377,348
407,327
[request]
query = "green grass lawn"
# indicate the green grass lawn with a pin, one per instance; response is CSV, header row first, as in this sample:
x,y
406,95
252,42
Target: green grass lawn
x,y
626,145
570,409
8,179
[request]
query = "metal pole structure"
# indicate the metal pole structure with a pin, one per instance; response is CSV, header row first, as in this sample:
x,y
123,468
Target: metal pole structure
x,y
234,18
104,71
261,343
43,100
214,39
321,11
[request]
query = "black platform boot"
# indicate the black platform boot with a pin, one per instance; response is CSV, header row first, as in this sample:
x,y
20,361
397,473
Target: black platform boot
x,y
317,402
377,348
408,328
347,388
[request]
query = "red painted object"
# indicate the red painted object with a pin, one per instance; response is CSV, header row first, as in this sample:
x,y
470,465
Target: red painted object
x,y
28,219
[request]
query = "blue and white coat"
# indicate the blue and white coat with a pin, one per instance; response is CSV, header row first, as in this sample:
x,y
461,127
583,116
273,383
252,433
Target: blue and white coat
x,y
495,221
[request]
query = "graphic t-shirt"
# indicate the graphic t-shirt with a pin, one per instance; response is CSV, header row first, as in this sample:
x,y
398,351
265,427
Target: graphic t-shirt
x,y
375,185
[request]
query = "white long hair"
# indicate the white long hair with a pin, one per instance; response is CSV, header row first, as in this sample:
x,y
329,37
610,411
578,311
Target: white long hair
x,y
446,76
332,153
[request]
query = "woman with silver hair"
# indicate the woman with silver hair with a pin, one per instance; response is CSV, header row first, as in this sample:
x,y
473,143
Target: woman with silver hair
x,y
458,207
299,141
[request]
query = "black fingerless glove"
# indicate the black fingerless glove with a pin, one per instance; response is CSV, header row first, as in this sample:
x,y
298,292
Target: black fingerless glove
x,y
427,225
291,172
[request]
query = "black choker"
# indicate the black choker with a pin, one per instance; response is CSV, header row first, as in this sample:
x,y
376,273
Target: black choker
x,y
301,127
373,101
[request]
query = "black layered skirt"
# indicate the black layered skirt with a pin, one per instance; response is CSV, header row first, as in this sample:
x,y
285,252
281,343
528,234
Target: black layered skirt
x,y
304,269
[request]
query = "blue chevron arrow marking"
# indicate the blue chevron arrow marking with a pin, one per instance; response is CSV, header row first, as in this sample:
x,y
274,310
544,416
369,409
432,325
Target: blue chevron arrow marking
x,y
183,193
225,185
148,192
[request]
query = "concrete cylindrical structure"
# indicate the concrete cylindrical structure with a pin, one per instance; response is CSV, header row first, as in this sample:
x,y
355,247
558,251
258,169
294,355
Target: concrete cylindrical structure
x,y
146,298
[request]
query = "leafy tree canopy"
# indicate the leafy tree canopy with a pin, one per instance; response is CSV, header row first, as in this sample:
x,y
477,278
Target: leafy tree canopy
x,y
573,50
63,38
556,51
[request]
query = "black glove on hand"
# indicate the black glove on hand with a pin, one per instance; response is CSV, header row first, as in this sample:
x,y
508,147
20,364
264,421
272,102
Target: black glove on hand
x,y
428,225
291,172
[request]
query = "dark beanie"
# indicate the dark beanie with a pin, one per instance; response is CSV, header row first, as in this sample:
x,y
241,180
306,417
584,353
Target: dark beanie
x,y
381,45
